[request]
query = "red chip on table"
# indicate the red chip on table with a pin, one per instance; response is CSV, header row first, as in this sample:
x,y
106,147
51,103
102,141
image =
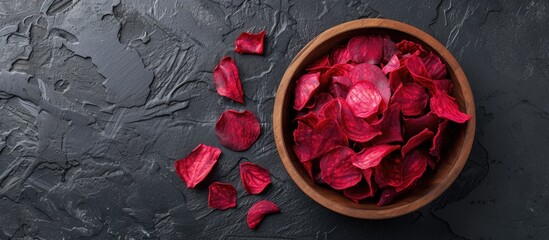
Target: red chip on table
x,y
221,196
258,211
195,167
226,80
250,43
237,130
254,178
360,103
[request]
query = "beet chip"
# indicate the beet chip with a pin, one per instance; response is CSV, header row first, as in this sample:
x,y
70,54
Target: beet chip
x,y
335,70
250,43
413,126
444,85
412,99
410,47
357,129
363,99
321,64
433,64
258,211
313,142
374,75
413,167
337,170
195,167
237,130
389,48
439,140
419,73
340,86
363,189
254,178
227,81
446,107
399,76
416,140
392,65
305,87
387,196
309,168
388,173
340,55
366,49
370,157
321,100
389,126
311,119
221,196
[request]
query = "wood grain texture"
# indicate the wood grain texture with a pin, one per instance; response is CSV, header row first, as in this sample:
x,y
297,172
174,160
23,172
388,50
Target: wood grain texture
x,y
431,186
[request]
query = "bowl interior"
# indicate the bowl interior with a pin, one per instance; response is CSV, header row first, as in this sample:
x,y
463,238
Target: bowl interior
x,y
430,185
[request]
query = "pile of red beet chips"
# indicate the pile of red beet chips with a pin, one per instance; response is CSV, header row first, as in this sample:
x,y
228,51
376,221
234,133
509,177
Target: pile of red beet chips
x,y
372,115
236,130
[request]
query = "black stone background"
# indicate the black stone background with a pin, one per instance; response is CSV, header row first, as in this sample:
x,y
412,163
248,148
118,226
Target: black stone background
x,y
98,98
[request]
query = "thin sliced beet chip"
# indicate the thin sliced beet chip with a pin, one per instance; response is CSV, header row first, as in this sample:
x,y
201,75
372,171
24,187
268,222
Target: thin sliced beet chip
x,y
446,107
374,75
309,168
392,65
237,130
313,142
310,119
388,173
435,67
413,126
305,87
387,196
221,196
363,99
412,99
410,47
439,140
389,48
193,168
366,49
340,86
340,55
389,126
363,189
258,211
419,73
250,43
337,170
254,178
444,85
416,140
321,100
413,167
371,157
399,76
357,129
227,81
321,64
335,70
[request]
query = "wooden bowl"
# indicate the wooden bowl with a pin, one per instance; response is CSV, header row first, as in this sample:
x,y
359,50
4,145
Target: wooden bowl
x,y
429,187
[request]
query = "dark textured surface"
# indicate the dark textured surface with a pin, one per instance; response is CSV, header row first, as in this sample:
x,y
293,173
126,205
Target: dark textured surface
x,y
99,98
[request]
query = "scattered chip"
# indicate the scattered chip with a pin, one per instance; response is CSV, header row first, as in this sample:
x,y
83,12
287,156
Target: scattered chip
x,y
250,43
193,168
258,211
237,130
221,196
227,81
254,178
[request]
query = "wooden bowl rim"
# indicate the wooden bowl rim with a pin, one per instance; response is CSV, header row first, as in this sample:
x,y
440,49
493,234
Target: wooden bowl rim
x,y
389,212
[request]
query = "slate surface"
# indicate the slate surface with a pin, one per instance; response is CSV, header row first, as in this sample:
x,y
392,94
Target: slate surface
x,y
98,98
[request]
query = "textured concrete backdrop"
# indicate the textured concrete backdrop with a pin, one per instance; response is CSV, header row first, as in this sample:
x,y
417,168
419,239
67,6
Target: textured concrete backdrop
x,y
98,98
